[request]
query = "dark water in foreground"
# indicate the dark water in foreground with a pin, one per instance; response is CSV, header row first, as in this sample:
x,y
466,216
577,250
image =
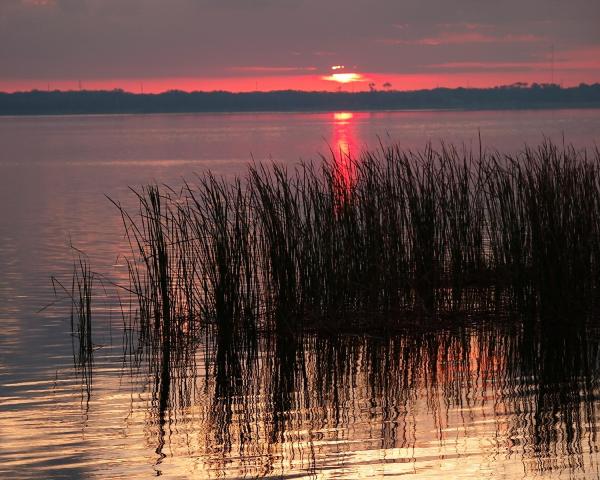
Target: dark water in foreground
x,y
470,401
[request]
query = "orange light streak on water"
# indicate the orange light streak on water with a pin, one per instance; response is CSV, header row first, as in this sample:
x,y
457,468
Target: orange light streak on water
x,y
344,141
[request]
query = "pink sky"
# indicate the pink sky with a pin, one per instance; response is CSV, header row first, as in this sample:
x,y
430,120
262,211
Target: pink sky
x,y
238,45
298,82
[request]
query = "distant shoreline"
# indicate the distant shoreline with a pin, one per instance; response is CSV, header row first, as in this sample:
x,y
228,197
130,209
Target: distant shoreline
x,y
535,97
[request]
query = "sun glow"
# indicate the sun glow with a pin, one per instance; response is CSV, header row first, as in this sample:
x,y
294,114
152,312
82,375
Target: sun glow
x,y
344,77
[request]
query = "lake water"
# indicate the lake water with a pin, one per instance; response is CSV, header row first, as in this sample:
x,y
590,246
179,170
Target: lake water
x,y
473,402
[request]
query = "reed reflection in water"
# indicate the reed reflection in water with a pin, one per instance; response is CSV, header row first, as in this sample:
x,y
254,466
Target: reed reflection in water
x,y
481,398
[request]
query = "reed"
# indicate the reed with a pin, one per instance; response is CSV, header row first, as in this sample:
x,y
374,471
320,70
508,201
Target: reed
x,y
368,242
81,310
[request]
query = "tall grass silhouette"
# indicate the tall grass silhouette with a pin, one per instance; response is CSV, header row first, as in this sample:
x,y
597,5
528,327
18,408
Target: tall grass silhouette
x,y
404,237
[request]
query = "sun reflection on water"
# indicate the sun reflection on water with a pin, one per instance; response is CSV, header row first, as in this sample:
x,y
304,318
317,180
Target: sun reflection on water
x,y
344,141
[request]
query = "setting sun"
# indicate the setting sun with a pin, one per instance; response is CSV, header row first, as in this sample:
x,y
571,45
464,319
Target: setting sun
x,y
344,77
341,76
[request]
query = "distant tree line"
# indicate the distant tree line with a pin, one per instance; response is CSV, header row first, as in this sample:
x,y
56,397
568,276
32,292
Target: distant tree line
x,y
515,96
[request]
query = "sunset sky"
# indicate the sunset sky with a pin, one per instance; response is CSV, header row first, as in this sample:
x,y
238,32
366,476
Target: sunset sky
x,y
245,45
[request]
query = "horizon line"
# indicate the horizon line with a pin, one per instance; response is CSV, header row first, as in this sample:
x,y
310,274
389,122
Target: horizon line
x,y
515,85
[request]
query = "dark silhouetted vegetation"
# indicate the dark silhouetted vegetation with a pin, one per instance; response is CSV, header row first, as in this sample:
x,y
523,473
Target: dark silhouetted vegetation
x,y
118,101
371,243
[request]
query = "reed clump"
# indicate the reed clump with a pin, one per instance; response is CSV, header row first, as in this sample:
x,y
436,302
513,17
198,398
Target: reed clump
x,y
81,310
369,242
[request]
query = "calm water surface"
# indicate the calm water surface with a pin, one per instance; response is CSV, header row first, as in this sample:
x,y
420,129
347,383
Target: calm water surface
x,y
473,402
